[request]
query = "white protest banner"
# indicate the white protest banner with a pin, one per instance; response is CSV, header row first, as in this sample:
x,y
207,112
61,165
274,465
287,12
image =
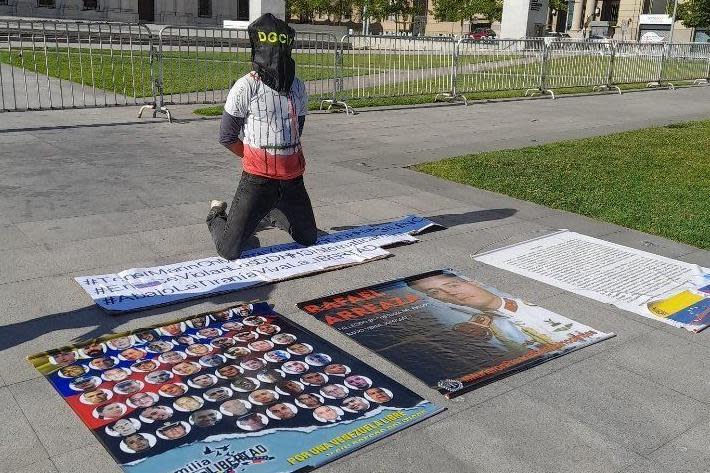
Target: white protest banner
x,y
656,287
141,288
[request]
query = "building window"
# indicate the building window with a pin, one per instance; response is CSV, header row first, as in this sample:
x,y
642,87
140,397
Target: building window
x,y
204,8
610,11
243,10
91,5
655,7
46,3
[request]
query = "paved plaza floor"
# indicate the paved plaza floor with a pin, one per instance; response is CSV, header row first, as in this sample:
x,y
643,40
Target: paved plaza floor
x,y
96,191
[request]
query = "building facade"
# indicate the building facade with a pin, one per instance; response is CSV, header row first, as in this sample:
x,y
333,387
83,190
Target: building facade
x,y
169,12
618,19
626,20
622,20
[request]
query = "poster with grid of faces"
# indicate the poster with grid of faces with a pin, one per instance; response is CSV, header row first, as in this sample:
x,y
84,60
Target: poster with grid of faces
x,y
240,389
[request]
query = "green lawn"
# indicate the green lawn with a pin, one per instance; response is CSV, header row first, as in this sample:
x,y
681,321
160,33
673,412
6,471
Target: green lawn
x,y
654,180
422,98
563,75
128,73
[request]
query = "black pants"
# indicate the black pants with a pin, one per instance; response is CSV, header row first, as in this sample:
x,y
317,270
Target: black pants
x,y
287,202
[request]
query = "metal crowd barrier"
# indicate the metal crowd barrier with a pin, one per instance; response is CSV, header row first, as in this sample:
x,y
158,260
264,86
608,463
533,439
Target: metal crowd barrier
x,y
50,64
541,66
498,65
53,64
199,65
636,63
577,64
687,62
395,66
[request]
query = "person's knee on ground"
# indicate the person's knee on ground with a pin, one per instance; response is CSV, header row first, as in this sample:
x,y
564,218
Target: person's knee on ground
x,y
230,253
307,237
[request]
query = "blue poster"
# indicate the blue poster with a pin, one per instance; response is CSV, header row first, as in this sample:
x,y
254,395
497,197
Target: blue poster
x,y
240,389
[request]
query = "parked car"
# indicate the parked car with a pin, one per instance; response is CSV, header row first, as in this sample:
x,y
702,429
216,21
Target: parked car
x,y
651,37
481,33
556,34
552,36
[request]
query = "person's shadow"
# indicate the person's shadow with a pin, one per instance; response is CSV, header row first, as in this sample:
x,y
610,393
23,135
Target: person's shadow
x,y
104,323
454,220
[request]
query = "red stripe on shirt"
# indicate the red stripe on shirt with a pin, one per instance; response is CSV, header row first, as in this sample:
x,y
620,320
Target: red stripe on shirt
x,y
261,162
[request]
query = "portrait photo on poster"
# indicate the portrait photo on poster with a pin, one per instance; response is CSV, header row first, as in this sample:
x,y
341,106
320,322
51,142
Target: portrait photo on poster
x,y
451,332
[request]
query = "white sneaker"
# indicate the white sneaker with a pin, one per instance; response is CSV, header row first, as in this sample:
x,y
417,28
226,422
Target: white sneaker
x,y
218,203
217,207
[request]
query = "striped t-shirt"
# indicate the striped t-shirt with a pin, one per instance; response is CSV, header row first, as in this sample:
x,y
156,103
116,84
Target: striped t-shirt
x,y
272,145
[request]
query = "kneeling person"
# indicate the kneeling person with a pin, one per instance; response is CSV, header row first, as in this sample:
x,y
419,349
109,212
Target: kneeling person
x,y
262,123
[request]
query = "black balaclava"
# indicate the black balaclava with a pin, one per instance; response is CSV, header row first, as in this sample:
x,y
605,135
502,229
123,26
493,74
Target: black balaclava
x,y
271,42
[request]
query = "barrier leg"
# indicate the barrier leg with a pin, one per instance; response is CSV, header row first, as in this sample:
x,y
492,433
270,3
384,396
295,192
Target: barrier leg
x,y
156,109
452,97
336,106
604,88
158,106
659,84
540,91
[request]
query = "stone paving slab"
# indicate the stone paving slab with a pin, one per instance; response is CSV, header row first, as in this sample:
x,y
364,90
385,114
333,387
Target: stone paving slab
x,y
507,432
633,411
19,445
106,225
666,360
57,427
26,263
45,465
94,191
94,457
688,452
11,237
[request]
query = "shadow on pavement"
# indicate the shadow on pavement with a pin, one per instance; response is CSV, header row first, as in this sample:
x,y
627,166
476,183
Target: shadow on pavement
x,y
143,121
104,323
453,220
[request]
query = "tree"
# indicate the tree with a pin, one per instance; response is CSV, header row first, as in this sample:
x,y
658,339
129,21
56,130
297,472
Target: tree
x,y
376,10
449,10
379,10
462,10
303,9
491,9
694,13
559,5
402,10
